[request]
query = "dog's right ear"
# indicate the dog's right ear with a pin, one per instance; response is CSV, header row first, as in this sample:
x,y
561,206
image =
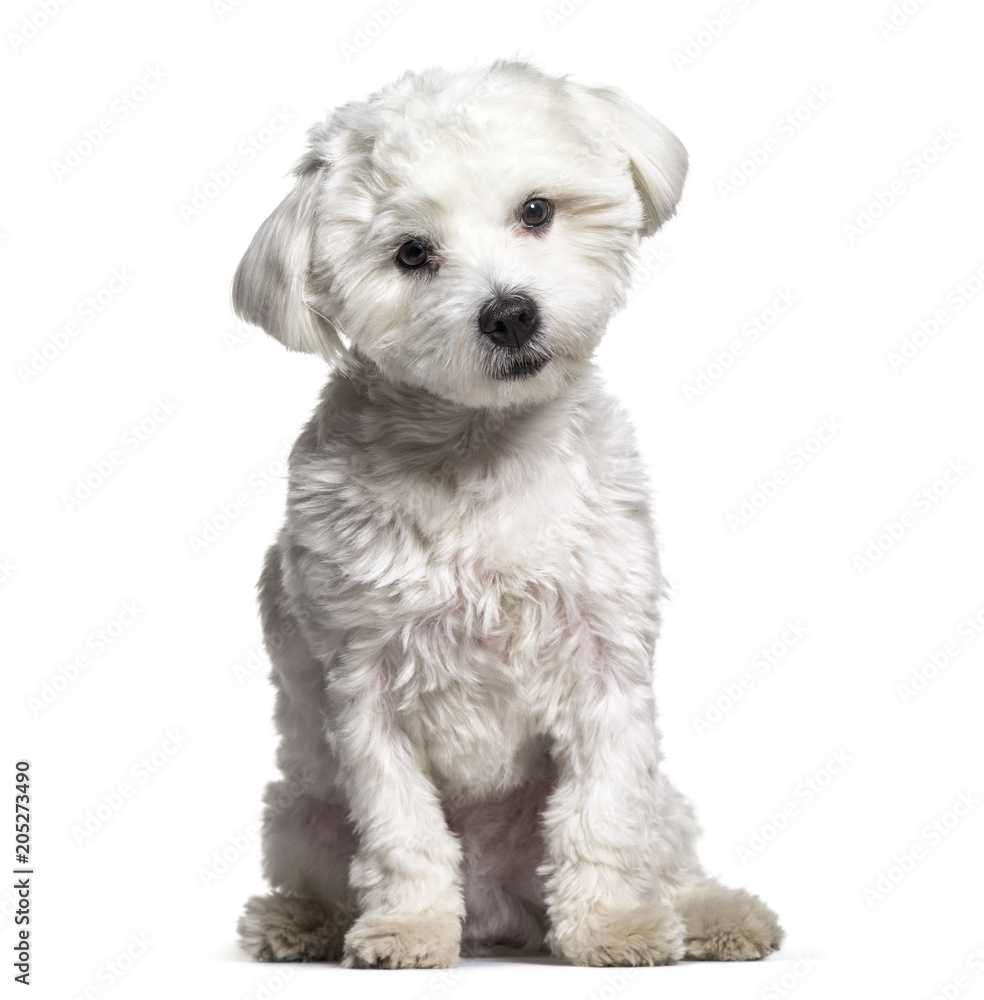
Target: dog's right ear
x,y
269,289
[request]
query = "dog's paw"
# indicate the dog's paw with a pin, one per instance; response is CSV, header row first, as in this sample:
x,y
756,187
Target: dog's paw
x,y
282,928
417,941
728,925
648,935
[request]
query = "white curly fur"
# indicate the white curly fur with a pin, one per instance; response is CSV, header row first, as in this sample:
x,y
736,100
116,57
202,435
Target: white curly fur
x,y
461,609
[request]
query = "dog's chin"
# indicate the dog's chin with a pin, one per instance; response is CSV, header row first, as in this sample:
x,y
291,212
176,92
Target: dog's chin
x,y
500,381
533,379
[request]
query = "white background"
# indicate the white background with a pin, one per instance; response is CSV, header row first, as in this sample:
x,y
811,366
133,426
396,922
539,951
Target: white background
x,y
186,658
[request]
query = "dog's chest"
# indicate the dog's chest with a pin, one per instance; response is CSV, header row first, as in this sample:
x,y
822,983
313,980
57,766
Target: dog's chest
x,y
485,618
466,683
479,736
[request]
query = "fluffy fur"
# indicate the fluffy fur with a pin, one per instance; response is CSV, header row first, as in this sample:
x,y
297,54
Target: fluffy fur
x,y
462,606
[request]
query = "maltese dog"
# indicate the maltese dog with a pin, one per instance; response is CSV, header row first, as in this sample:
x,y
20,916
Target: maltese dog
x,y
462,606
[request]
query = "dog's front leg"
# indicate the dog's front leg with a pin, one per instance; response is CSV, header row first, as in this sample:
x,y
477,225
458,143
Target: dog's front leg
x,y
601,825
405,872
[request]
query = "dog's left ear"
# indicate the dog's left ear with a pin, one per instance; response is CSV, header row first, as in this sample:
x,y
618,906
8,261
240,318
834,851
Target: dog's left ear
x,y
657,157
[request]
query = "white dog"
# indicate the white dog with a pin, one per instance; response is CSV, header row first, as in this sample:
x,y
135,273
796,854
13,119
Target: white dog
x,y
461,608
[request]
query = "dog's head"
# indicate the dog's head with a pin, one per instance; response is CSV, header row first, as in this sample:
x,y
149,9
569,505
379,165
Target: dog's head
x,y
469,233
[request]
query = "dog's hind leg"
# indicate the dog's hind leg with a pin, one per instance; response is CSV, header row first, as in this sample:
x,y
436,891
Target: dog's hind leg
x,y
720,924
727,925
308,846
502,849
282,928
308,841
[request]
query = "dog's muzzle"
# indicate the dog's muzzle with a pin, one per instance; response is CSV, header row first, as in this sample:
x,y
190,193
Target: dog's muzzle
x,y
510,322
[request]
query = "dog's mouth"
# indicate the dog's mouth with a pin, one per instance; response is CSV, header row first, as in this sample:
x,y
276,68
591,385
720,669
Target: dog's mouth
x,y
524,366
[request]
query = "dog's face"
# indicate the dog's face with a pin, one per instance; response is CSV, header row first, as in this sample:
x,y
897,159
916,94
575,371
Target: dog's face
x,y
469,233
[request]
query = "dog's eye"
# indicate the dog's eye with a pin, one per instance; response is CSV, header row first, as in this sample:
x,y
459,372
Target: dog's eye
x,y
536,212
412,254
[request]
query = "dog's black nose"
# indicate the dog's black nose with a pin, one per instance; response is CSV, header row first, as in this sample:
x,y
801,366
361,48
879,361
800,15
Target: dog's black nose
x,y
509,320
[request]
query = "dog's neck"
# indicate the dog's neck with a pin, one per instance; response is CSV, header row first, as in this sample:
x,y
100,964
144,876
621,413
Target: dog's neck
x,y
415,427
